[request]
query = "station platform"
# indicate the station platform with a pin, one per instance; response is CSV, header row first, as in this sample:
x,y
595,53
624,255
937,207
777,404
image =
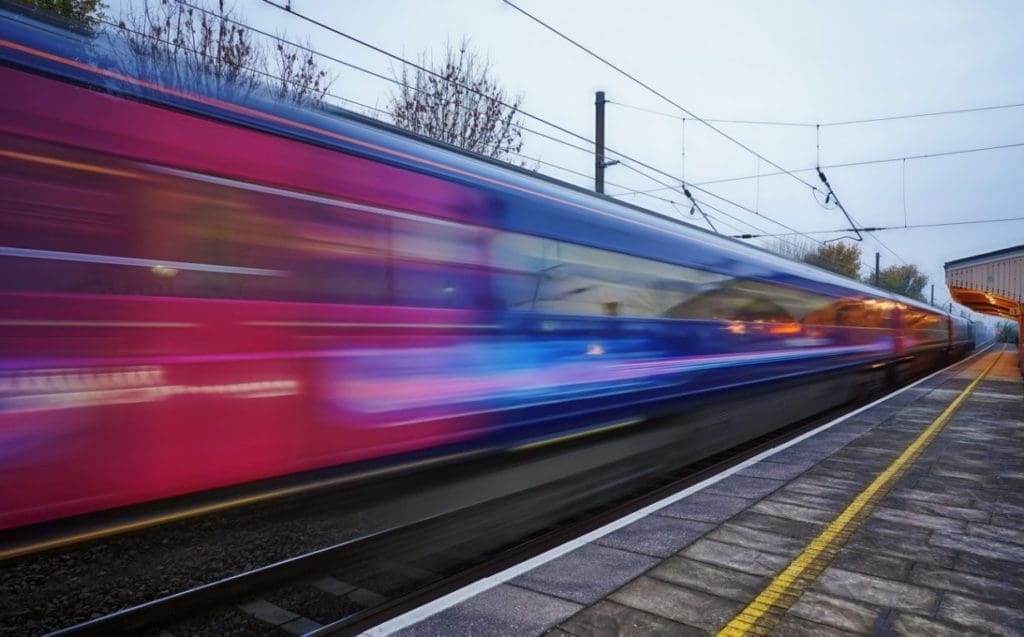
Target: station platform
x,y
905,516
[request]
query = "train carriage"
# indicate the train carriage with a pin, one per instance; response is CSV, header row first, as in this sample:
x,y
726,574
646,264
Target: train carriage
x,y
200,292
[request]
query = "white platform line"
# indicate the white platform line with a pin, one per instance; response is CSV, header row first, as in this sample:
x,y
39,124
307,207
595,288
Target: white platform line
x,y
471,590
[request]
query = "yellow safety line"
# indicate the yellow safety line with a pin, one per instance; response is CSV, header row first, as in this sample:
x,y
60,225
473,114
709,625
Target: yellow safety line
x,y
788,585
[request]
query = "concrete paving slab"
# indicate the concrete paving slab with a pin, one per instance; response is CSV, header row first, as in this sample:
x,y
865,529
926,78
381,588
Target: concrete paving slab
x,y
876,591
986,566
793,626
747,487
1005,591
1000,533
777,470
609,619
757,539
837,612
715,580
992,619
897,568
922,520
781,526
587,574
812,479
707,507
820,473
739,558
907,624
979,546
808,487
656,535
968,514
908,494
829,504
684,605
792,511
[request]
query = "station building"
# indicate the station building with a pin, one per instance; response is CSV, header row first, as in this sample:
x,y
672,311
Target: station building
x,y
991,283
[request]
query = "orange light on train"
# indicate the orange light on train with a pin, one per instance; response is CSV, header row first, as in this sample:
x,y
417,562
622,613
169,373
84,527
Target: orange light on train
x,y
736,327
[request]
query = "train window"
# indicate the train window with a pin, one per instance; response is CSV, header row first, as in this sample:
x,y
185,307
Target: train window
x,y
438,264
852,312
733,304
543,275
925,325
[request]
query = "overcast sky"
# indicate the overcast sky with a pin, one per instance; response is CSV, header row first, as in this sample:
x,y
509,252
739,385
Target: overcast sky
x,y
806,62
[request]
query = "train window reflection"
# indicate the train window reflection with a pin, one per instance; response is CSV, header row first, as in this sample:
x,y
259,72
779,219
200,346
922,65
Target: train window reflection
x,y
543,275
852,312
733,304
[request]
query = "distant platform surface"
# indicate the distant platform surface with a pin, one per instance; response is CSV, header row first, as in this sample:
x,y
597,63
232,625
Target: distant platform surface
x,y
904,517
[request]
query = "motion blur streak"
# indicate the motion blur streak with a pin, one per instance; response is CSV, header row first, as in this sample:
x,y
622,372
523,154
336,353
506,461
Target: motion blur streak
x,y
197,293
160,268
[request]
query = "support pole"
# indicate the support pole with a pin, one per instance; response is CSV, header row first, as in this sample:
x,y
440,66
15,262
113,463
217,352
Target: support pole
x,y
599,164
933,298
877,257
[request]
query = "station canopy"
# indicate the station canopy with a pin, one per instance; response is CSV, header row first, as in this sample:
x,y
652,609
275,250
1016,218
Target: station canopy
x,y
990,283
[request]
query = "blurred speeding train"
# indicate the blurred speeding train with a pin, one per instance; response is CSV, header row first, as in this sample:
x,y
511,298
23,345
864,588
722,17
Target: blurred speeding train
x,y
198,292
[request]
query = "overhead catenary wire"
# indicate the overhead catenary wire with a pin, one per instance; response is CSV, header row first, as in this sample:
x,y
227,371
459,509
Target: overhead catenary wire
x,y
524,113
957,111
693,116
667,99
706,119
393,81
420,67
628,165
867,162
850,122
562,129
368,107
705,204
327,93
377,75
333,96
818,126
938,224
652,90
696,203
839,204
853,223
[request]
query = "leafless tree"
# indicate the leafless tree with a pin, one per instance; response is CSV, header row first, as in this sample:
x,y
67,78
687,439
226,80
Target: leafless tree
x,y
300,78
460,103
209,50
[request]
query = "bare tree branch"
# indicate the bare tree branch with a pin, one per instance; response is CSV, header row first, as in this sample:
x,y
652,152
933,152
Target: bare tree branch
x,y
208,50
462,104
